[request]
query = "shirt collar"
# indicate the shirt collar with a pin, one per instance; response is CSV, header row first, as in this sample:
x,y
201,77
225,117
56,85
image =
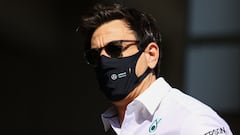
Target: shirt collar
x,y
157,91
109,117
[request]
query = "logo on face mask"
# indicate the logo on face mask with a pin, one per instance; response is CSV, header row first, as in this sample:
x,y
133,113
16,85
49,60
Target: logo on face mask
x,y
118,76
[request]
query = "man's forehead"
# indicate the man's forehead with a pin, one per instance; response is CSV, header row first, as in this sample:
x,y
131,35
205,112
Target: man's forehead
x,y
114,30
112,27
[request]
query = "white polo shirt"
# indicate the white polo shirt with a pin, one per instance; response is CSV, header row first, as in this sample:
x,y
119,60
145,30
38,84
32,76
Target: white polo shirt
x,y
163,110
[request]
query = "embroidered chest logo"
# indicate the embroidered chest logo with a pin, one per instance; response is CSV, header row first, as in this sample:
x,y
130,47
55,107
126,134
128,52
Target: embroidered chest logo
x,y
154,125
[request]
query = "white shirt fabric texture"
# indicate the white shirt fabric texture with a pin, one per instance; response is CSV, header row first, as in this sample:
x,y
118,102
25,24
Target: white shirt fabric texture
x,y
163,110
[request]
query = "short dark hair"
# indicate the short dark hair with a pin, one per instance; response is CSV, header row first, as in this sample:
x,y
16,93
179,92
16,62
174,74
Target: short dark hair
x,y
143,24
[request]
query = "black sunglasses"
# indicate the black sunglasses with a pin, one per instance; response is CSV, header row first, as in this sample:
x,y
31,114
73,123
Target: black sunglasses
x,y
114,49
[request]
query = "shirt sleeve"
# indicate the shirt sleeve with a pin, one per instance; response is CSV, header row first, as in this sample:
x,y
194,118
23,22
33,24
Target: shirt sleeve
x,y
205,125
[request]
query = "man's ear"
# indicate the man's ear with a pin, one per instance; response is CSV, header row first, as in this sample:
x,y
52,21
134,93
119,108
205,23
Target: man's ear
x,y
152,54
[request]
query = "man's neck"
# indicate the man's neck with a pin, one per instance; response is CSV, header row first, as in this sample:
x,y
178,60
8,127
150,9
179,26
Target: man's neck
x,y
122,105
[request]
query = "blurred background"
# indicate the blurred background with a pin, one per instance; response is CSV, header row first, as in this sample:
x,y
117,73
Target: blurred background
x,y
46,88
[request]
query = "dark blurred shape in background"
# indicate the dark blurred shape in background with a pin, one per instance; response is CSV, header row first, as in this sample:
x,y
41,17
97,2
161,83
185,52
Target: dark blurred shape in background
x,y
46,88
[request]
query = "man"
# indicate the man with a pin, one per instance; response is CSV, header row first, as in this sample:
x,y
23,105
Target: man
x,y
124,46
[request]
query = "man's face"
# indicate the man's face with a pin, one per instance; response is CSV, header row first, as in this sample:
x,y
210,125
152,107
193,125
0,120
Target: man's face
x,y
112,31
117,30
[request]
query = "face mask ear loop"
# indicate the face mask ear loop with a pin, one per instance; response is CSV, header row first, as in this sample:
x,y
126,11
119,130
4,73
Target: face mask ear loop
x,y
141,77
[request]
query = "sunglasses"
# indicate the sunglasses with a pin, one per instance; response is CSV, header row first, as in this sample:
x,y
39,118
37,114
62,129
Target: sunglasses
x,y
114,49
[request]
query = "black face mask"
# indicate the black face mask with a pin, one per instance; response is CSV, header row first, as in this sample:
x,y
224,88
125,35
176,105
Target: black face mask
x,y
117,76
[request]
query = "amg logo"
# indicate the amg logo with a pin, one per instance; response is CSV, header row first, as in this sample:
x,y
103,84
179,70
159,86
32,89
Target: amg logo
x,y
216,131
121,75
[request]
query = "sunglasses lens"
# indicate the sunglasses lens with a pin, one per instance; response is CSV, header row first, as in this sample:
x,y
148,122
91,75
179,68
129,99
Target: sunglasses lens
x,y
92,56
114,49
